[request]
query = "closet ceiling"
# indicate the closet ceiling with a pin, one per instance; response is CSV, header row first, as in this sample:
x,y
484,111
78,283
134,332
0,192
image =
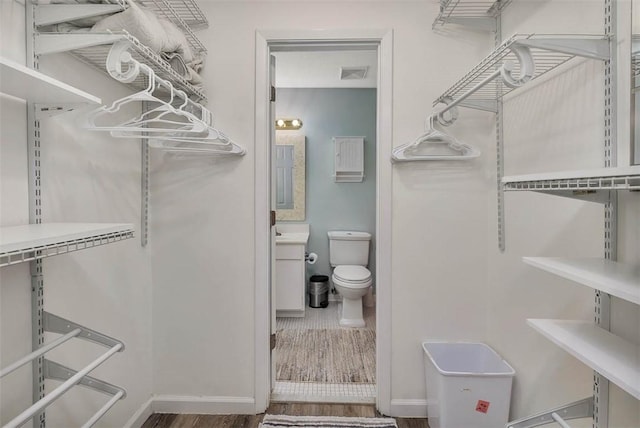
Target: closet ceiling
x,y
323,69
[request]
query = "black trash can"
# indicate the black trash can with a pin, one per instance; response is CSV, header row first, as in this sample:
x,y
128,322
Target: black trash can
x,y
319,291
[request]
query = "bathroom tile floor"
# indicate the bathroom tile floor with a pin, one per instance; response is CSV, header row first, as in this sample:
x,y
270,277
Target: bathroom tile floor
x,y
316,392
324,318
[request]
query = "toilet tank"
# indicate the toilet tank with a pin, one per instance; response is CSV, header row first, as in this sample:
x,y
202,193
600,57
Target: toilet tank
x,y
349,248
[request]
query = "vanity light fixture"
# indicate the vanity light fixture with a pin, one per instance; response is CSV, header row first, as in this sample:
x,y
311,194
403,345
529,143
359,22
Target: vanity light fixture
x,y
288,124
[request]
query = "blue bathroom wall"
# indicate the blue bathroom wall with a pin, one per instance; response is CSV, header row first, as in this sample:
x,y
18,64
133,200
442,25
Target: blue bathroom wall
x,y
328,113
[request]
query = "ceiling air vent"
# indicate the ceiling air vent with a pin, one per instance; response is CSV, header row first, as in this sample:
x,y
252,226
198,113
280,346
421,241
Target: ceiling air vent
x,y
353,73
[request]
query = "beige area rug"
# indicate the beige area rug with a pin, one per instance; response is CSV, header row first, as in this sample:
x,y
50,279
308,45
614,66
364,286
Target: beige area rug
x,y
326,355
275,421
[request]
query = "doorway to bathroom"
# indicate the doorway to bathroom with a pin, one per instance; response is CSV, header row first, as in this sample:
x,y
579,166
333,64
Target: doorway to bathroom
x,y
325,181
325,126
315,325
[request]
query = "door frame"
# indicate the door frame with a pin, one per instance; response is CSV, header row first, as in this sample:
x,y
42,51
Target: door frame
x,y
265,40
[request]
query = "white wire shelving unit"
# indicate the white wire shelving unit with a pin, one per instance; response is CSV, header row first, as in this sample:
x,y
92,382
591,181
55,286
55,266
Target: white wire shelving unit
x,y
33,242
515,62
593,185
473,13
187,10
482,86
93,47
37,241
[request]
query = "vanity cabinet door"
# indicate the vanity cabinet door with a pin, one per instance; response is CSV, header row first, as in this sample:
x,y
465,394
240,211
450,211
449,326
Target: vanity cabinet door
x,y
290,278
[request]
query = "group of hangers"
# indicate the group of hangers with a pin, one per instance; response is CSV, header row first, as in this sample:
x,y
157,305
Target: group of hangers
x,y
176,124
434,145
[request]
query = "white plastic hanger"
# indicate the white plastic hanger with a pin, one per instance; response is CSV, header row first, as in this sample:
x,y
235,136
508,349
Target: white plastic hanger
x,y
418,150
186,129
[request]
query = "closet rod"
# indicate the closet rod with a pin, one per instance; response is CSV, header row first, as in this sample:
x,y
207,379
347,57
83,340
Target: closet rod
x,y
103,410
559,420
576,410
39,352
41,404
119,54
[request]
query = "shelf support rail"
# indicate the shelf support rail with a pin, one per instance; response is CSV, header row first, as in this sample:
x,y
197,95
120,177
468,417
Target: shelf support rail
x,y
576,410
41,404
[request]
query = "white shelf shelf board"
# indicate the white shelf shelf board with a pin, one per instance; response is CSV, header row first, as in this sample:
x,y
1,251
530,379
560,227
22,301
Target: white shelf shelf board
x,y
613,357
618,279
35,241
622,178
22,82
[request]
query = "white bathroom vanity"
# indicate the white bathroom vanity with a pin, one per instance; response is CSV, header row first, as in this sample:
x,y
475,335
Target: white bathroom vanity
x,y
291,246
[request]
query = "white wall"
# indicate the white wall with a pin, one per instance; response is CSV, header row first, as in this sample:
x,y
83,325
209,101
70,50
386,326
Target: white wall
x,y
202,232
86,177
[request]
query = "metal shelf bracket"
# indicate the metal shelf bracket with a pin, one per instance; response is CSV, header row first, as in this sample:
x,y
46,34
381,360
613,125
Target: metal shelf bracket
x,y
55,324
55,371
485,24
484,105
587,48
577,410
598,196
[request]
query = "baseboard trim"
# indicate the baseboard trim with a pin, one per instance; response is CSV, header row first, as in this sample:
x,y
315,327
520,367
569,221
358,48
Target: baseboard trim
x,y
204,405
141,415
408,408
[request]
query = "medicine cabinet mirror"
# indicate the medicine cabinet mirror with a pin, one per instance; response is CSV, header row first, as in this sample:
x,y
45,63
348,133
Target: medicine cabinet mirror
x,y
635,82
290,176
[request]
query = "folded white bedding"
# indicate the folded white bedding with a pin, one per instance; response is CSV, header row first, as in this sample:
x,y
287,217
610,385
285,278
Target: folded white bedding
x,y
143,26
158,34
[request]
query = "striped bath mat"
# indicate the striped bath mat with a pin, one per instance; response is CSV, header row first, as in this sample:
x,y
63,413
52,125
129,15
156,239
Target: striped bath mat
x,y
283,421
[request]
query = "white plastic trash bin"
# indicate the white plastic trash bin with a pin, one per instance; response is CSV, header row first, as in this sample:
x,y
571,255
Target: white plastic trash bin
x,y
468,385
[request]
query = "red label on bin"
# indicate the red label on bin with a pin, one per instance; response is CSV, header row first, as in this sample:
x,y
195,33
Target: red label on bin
x,y
482,406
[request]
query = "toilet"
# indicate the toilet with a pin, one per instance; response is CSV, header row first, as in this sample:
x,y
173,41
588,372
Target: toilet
x,y
349,256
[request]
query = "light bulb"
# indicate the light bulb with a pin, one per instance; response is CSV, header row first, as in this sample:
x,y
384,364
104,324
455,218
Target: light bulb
x,y
295,122
280,122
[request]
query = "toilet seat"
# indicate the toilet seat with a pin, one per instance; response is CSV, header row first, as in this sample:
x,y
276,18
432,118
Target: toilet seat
x,y
351,276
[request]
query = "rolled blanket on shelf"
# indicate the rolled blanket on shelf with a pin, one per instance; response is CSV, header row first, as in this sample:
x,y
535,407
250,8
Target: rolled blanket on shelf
x,y
160,35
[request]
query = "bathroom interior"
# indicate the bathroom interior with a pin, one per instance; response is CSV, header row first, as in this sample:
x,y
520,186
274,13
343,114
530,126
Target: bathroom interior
x,y
325,178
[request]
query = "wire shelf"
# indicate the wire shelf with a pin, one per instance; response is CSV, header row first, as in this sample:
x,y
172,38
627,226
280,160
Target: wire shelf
x,y
54,243
165,9
187,10
450,10
546,58
96,56
579,181
179,12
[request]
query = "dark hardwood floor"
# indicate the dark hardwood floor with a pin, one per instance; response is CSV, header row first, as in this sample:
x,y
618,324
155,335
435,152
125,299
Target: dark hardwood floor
x,y
252,421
